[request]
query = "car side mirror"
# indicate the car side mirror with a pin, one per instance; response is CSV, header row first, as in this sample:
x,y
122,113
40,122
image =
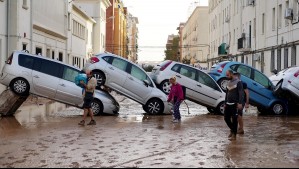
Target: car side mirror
x,y
146,83
275,71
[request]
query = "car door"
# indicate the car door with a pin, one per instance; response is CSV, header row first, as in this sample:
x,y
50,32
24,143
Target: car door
x,y
117,74
246,74
206,89
67,90
262,90
46,75
186,76
135,86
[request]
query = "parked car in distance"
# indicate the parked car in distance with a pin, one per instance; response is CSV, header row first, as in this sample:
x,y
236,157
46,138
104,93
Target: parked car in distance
x,y
201,88
129,79
25,73
260,87
287,83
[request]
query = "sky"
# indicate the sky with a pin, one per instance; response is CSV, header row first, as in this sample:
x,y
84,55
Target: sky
x,y
158,19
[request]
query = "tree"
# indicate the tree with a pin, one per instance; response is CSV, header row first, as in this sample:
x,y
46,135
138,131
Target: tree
x,y
171,53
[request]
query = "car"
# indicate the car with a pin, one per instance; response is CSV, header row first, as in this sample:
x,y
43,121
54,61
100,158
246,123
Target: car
x,y
128,79
287,83
259,85
201,88
26,74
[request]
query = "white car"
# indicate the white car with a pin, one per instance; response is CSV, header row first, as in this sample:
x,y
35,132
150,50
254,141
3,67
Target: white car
x,y
129,79
25,73
201,88
286,81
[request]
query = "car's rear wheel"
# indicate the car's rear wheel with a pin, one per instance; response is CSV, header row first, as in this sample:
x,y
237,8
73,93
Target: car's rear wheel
x,y
223,83
100,77
165,86
220,108
154,107
97,107
278,108
20,86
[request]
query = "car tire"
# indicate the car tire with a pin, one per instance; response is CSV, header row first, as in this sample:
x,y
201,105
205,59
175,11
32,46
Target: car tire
x,y
211,110
165,86
220,108
278,108
223,83
20,86
278,90
97,107
154,107
100,77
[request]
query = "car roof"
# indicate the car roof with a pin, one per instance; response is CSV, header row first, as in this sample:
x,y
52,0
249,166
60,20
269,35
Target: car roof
x,y
114,55
43,57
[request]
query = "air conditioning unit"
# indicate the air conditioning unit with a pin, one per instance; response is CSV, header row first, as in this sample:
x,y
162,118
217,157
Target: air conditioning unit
x,y
251,2
256,57
288,13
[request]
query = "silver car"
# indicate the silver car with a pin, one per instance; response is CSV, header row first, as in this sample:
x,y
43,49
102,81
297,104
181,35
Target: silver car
x,y
25,73
128,79
201,88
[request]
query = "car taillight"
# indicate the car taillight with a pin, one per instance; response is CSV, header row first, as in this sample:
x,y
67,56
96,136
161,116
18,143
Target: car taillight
x,y
165,66
296,74
94,60
220,69
9,60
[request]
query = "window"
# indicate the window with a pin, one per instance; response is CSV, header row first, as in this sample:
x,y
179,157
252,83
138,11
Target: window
x,y
175,68
293,57
279,15
24,47
286,58
278,59
263,23
108,59
25,5
60,56
262,62
138,73
244,70
233,67
38,51
286,20
77,62
261,79
78,30
272,66
50,68
188,72
207,80
53,55
120,64
69,74
26,61
273,19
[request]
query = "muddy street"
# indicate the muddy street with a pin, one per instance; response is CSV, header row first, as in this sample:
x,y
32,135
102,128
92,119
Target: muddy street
x,y
48,135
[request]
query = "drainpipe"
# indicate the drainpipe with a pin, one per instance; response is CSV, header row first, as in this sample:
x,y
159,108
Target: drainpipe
x,y
31,25
7,28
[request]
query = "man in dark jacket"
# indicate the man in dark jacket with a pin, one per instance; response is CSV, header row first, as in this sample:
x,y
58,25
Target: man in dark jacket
x,y
233,103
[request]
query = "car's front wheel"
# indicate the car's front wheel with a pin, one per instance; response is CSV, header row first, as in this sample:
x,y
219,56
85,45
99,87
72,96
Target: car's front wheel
x,y
154,107
100,77
278,108
20,86
97,107
165,86
220,108
223,83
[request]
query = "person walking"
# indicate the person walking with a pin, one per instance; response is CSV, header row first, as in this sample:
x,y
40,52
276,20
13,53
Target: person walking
x,y
233,103
88,93
245,105
176,96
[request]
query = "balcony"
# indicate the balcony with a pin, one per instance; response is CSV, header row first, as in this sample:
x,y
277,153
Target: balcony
x,y
244,45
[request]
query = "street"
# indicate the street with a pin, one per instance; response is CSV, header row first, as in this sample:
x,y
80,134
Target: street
x,y
46,134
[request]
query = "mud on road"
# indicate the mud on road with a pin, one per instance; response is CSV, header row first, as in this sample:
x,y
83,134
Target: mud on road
x,y
47,135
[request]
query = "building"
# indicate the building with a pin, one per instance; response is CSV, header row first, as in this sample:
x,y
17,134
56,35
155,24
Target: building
x,y
263,34
180,32
96,9
132,33
196,37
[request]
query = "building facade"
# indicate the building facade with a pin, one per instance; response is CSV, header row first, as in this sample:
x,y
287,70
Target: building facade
x,y
132,33
180,32
195,40
261,33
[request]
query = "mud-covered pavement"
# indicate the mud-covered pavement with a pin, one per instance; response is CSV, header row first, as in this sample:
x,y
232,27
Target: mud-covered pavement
x,y
47,135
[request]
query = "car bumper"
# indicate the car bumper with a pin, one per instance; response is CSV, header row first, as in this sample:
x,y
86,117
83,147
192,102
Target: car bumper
x,y
111,108
6,78
167,108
